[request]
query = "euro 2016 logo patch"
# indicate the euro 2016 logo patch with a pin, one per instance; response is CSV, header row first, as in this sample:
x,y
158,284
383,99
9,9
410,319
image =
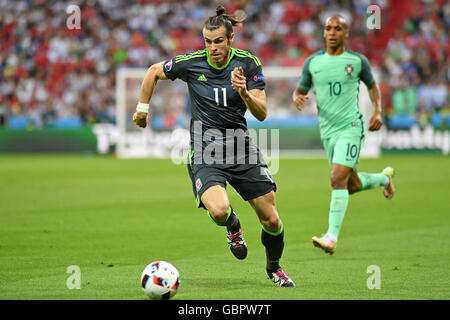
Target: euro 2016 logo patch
x,y
198,184
259,78
349,69
168,65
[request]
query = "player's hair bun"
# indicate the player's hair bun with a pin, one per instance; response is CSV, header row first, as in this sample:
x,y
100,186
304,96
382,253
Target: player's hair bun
x,y
220,10
223,19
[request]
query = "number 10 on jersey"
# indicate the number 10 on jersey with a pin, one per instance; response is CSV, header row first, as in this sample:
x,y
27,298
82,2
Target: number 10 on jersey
x,y
224,93
335,88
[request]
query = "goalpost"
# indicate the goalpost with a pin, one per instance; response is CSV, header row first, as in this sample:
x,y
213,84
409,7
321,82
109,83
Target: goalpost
x,y
168,136
134,142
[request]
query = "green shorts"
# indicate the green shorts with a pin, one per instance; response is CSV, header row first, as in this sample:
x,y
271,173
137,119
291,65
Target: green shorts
x,y
344,147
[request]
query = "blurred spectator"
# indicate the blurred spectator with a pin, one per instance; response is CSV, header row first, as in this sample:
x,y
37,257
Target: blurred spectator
x,y
48,72
440,93
404,99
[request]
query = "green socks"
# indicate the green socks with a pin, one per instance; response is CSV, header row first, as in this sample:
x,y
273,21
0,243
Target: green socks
x,y
338,207
339,200
372,180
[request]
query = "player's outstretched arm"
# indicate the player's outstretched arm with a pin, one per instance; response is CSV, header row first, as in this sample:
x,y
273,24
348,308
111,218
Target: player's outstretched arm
x,y
376,121
256,102
154,73
299,97
254,99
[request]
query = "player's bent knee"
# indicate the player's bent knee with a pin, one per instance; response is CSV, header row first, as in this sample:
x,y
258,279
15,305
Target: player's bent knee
x,y
354,187
338,182
219,212
272,223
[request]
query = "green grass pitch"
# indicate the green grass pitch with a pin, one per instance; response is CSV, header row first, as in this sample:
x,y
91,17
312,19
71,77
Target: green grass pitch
x,y
112,217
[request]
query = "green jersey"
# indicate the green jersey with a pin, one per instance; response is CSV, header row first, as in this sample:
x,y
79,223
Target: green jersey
x,y
336,82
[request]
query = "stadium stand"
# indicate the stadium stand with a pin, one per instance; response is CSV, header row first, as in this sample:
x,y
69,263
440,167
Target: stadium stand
x,y
49,74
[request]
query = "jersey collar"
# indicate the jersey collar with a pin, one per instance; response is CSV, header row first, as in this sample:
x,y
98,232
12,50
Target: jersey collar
x,y
225,65
330,55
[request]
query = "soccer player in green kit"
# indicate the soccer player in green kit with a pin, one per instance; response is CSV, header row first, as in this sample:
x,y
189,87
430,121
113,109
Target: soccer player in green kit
x,y
223,84
335,72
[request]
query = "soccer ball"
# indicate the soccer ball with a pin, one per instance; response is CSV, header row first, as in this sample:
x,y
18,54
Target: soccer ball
x,y
160,280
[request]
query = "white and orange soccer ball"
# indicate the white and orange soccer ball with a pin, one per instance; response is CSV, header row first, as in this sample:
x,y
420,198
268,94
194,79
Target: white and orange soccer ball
x,y
160,280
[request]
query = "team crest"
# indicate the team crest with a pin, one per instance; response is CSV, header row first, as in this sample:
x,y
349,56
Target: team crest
x,y
349,69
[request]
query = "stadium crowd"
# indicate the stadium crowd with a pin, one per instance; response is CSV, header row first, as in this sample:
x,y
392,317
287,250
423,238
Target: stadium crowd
x,y
50,72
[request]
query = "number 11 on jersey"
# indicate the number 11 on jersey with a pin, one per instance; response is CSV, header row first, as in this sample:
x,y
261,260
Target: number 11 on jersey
x,y
216,95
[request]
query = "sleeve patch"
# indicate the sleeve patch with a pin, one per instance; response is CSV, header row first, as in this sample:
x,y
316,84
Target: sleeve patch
x,y
168,65
260,77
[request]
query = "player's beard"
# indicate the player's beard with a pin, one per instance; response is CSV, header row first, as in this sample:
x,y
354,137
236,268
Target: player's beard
x,y
226,54
222,59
